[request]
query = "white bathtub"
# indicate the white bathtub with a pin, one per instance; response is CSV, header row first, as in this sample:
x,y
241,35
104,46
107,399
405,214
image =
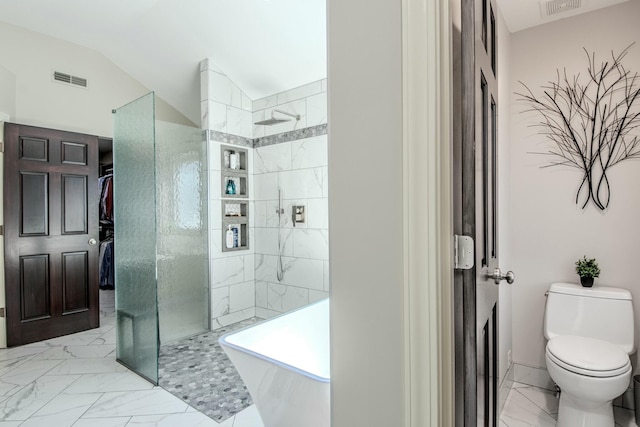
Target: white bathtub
x,y
284,362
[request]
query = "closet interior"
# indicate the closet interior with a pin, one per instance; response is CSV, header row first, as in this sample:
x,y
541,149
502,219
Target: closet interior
x,y
106,268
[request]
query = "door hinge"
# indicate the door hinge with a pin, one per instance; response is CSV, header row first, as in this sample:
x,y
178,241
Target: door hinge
x,y
463,252
2,312
1,230
1,147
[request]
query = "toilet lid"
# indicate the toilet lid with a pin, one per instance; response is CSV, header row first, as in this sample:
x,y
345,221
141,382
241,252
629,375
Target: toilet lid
x,y
588,356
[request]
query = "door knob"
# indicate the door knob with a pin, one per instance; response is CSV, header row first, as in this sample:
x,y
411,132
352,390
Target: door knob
x,y
497,276
92,242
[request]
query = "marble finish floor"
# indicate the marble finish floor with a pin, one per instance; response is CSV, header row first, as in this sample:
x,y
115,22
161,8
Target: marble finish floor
x,y
198,371
532,406
75,381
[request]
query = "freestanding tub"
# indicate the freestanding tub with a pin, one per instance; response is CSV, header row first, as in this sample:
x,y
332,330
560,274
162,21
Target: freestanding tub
x,y
284,362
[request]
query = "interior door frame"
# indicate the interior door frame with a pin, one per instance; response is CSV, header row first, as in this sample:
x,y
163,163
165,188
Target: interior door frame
x,y
3,320
428,212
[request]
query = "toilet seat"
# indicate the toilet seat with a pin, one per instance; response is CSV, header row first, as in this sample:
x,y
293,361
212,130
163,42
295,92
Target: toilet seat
x,y
588,356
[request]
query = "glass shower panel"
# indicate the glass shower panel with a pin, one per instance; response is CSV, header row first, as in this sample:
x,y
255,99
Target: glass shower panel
x,y
135,237
182,248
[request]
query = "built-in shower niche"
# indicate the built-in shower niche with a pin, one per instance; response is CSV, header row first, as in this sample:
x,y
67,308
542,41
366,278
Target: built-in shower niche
x,y
235,210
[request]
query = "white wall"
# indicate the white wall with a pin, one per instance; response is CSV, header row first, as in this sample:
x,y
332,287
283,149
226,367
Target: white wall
x,y
366,213
40,101
547,230
7,92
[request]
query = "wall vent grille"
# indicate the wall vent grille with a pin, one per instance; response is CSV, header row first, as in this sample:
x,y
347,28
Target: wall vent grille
x,y
554,7
69,79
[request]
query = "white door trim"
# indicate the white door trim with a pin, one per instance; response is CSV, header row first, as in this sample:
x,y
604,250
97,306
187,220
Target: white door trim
x,y
428,213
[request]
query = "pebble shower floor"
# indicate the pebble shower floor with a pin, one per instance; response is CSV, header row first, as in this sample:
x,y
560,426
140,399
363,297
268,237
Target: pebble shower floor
x,y
198,371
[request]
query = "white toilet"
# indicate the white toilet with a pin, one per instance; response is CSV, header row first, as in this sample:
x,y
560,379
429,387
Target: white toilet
x,y
590,333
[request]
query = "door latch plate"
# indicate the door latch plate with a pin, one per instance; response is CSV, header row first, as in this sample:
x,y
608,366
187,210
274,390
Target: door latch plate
x,y
463,252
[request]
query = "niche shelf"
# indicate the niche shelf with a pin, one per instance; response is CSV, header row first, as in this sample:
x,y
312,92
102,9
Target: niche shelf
x,y
235,192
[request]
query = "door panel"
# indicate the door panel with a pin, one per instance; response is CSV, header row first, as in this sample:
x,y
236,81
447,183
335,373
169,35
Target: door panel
x,y
51,214
477,344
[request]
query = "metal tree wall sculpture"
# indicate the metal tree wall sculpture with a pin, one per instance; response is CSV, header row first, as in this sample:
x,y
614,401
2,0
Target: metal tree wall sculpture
x,y
592,121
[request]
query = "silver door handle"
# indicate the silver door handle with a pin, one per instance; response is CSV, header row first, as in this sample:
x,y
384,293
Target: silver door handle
x,y
497,276
92,242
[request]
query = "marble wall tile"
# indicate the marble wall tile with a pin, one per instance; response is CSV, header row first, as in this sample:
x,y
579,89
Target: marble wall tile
x,y
315,296
309,152
305,273
267,241
266,268
265,313
239,122
266,102
325,182
273,218
242,296
232,318
284,298
265,186
259,131
327,277
311,243
317,213
217,116
223,90
261,294
272,158
228,271
302,183
214,156
220,301
249,267
300,92
247,103
317,109
294,107
260,214
204,115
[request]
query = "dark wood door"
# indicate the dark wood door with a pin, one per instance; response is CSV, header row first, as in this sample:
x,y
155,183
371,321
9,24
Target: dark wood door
x,y
477,290
51,228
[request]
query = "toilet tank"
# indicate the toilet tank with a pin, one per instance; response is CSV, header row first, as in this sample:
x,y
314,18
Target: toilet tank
x,y
601,312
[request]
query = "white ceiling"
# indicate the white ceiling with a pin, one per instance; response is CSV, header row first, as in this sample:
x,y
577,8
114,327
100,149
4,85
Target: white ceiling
x,y
522,14
264,46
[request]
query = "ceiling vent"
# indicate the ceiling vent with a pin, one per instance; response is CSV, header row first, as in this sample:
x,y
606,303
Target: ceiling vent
x,y
555,7
69,79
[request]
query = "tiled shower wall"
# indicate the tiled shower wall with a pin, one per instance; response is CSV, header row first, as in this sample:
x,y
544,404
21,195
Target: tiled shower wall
x,y
291,156
299,169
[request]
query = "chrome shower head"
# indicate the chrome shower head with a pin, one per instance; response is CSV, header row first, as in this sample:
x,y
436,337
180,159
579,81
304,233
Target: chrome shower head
x,y
274,121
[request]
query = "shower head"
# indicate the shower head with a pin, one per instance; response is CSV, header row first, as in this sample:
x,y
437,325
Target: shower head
x,y
274,121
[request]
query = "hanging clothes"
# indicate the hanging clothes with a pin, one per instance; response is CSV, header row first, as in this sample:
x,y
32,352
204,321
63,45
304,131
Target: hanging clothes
x,y
105,186
107,264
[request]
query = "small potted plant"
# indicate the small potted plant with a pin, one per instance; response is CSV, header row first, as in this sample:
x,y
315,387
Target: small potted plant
x,y
587,269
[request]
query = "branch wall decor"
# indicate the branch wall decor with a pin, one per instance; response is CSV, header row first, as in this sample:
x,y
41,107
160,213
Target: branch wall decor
x,y
592,122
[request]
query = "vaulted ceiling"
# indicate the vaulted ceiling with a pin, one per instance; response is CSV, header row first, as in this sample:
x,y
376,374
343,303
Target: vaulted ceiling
x,y
264,46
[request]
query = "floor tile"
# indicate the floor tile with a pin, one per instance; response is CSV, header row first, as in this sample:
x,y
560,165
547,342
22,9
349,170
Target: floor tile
x,y
24,374
191,419
76,352
33,396
62,411
103,422
87,366
147,402
248,418
110,382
